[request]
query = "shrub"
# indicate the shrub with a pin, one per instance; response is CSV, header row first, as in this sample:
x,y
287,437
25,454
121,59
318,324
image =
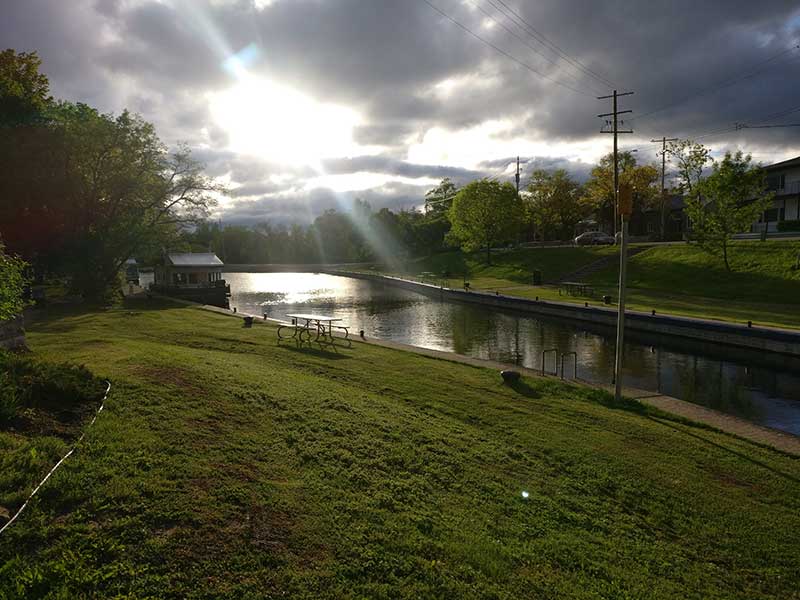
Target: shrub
x,y
26,382
789,225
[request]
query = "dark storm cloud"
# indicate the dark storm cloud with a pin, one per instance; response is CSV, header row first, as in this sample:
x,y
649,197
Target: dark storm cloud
x,y
392,166
385,60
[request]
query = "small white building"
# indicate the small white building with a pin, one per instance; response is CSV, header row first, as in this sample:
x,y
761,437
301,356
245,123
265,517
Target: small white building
x,y
783,180
192,276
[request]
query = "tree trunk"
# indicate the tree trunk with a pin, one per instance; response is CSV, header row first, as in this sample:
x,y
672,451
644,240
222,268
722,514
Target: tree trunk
x,y
725,255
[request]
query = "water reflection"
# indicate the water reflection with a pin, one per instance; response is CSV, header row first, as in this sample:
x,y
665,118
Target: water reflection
x,y
756,386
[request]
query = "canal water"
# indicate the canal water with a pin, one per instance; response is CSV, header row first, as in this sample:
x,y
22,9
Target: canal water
x,y
758,386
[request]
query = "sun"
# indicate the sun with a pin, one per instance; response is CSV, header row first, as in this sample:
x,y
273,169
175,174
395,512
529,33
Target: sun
x,y
280,124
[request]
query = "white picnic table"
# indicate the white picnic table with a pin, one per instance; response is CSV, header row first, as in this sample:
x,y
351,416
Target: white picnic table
x,y
308,324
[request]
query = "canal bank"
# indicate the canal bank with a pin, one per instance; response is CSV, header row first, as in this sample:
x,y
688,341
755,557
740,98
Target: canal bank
x,y
781,341
726,423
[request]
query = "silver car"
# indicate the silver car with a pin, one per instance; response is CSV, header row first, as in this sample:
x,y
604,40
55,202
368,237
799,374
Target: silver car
x,y
594,238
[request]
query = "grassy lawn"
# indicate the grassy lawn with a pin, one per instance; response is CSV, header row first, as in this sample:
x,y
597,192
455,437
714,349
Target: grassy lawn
x,y
677,279
511,266
226,466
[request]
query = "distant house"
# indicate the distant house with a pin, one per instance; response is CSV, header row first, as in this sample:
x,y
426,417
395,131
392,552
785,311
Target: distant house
x,y
192,276
132,271
783,180
676,222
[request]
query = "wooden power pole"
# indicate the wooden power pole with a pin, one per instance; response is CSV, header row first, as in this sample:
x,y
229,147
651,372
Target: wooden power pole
x,y
622,211
616,131
664,141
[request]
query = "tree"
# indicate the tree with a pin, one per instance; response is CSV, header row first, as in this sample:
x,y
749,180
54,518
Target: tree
x,y
554,204
24,92
599,190
690,159
439,199
485,213
106,188
12,285
727,202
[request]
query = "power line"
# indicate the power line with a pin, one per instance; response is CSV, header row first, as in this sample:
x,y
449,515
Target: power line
x,y
542,39
756,70
503,52
520,38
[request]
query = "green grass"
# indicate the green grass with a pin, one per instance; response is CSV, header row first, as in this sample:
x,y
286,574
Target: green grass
x,y
226,466
676,279
511,266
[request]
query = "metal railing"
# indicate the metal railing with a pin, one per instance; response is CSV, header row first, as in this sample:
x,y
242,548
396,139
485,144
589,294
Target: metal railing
x,y
574,356
555,364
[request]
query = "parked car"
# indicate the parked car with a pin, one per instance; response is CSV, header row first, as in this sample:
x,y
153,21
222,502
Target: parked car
x,y
593,238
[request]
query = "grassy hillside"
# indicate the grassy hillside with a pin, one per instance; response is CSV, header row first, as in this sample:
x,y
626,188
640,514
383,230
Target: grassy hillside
x,y
678,279
227,466
512,266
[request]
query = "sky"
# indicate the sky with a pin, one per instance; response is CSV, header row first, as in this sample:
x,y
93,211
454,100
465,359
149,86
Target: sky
x,y
300,106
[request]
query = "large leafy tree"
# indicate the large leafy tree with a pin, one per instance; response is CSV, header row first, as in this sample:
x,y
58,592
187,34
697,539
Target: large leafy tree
x,y
599,190
485,213
24,91
727,202
439,199
86,191
690,159
554,204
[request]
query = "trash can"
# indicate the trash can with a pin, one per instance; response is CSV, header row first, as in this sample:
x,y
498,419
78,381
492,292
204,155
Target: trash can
x,y
537,277
248,321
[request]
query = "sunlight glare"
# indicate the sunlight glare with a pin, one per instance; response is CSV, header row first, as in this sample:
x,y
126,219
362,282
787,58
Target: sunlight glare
x,y
279,123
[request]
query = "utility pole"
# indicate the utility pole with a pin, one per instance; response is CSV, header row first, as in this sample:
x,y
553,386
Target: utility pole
x,y
664,141
622,210
516,176
616,131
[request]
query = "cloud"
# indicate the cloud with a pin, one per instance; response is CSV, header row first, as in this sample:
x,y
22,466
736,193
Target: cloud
x,y
406,71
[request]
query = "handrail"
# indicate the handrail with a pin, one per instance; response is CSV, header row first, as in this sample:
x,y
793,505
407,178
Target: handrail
x,y
574,364
555,364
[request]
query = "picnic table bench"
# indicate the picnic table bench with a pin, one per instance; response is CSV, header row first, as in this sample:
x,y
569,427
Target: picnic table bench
x,y
319,326
575,288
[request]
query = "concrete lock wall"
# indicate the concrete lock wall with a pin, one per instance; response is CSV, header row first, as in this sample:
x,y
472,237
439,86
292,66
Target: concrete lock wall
x,y
768,339
12,333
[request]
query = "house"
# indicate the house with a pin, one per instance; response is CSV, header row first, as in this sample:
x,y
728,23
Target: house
x,y
192,276
783,180
676,222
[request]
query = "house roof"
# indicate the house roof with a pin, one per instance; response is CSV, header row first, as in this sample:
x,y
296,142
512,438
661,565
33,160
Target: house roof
x,y
792,162
194,259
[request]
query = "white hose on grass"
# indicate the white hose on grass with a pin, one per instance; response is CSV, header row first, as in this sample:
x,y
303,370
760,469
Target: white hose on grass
x,y
58,464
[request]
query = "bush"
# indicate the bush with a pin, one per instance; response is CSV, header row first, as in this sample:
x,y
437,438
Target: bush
x,y
26,382
789,225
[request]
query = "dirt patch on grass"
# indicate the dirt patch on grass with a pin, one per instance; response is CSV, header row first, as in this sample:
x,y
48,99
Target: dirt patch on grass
x,y
168,375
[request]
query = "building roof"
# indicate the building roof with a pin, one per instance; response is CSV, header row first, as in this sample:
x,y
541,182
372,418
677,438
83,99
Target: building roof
x,y
792,162
194,259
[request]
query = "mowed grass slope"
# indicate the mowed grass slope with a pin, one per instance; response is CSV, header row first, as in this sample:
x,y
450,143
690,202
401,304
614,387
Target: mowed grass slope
x,y
226,466
763,285
678,279
511,267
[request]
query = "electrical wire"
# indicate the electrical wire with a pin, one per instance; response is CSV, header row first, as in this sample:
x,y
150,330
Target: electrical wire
x,y
524,41
503,52
542,39
756,70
